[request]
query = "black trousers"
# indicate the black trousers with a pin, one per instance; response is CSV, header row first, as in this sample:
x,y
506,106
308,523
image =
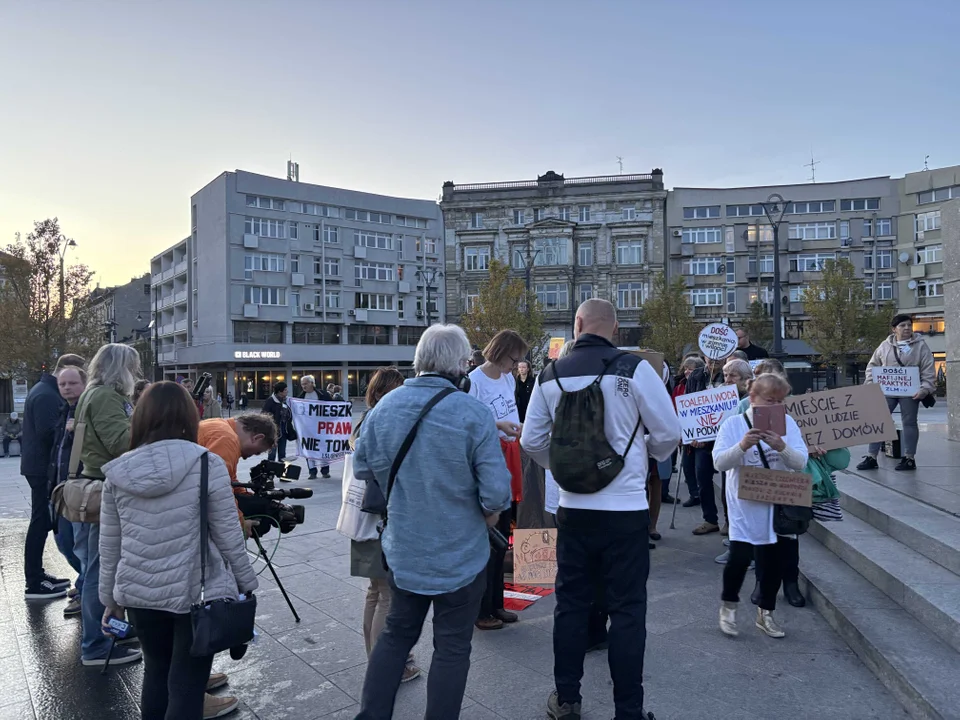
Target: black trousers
x,y
492,599
612,546
173,680
768,572
40,526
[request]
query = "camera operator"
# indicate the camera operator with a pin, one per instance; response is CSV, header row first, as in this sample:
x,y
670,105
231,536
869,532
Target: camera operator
x,y
310,391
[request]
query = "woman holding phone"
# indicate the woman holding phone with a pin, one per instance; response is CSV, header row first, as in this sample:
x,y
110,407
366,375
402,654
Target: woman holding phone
x,y
740,445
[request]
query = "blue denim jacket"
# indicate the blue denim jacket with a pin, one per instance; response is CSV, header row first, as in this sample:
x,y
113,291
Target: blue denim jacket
x,y
454,475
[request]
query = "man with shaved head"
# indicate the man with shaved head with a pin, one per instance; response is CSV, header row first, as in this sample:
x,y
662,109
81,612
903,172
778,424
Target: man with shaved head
x,y
602,535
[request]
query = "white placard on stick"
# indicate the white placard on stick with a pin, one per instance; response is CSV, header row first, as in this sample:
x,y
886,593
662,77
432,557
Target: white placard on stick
x,y
718,341
702,413
897,381
778,487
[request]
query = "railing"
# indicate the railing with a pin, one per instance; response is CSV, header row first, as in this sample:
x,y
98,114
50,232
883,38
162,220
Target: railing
x,y
521,184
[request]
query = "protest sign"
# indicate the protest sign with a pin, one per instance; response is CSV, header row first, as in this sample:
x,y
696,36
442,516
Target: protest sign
x,y
897,381
535,557
556,345
323,428
843,417
702,413
651,356
754,363
717,341
778,487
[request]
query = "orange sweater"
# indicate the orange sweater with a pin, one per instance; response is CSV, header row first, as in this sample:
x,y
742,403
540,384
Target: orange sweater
x,y
220,438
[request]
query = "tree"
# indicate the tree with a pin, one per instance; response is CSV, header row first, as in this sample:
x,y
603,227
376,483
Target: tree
x,y
667,317
759,325
842,321
43,315
504,304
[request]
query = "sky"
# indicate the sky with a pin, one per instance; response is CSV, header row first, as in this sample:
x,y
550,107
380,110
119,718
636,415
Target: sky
x,y
112,113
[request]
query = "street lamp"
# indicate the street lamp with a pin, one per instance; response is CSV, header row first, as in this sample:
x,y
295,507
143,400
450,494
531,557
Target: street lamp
x,y
428,276
775,208
67,243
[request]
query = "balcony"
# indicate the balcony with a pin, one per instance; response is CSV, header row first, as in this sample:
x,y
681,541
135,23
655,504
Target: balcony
x,y
156,278
166,301
167,329
180,297
918,271
167,357
181,326
167,274
180,268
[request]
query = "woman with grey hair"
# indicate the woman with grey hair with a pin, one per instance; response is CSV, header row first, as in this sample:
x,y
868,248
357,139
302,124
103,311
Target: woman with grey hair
x,y
103,411
449,487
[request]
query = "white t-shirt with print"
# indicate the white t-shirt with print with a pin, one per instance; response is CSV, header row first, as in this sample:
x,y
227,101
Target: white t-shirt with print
x,y
498,395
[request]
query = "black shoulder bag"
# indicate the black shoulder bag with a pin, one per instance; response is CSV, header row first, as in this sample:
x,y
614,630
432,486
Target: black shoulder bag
x,y
787,519
220,624
928,400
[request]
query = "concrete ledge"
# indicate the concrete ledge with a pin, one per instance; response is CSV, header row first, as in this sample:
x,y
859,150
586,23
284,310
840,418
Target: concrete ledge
x,y
928,591
925,529
909,659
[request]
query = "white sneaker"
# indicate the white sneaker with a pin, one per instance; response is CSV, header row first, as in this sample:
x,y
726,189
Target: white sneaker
x,y
728,619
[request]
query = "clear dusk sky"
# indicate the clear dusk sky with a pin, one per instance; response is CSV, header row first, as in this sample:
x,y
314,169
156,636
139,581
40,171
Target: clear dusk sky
x,y
113,112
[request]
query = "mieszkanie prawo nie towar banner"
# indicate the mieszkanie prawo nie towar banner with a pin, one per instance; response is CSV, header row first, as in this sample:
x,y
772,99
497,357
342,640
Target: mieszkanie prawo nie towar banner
x,y
323,428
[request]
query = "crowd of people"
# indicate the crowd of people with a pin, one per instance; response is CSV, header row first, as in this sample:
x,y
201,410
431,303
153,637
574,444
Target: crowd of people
x,y
125,473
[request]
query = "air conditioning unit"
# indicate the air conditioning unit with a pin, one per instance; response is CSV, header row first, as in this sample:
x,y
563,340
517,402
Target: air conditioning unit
x,y
678,233
352,313
419,313
309,307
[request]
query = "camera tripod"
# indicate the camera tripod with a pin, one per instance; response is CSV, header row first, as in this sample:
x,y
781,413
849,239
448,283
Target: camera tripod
x,y
276,578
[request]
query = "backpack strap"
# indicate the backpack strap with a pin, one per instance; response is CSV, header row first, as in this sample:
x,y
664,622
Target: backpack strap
x,y
763,457
607,364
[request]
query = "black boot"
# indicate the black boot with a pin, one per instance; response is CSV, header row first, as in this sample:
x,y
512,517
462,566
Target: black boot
x,y
789,552
791,591
755,597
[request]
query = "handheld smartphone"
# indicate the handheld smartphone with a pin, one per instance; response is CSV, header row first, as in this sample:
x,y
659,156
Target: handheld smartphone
x,y
771,418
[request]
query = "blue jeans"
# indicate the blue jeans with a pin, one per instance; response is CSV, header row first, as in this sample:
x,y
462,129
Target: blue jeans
x,y
281,447
87,548
63,534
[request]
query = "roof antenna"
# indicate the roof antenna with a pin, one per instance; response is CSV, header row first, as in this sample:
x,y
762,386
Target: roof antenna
x,y
925,158
813,167
620,163
293,171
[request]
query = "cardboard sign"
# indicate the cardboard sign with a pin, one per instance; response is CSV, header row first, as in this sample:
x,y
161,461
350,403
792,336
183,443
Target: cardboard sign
x,y
535,557
717,341
556,345
777,487
702,413
651,356
754,363
843,417
896,381
323,428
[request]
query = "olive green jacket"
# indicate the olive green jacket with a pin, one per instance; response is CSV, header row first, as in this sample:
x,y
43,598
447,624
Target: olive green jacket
x,y
107,433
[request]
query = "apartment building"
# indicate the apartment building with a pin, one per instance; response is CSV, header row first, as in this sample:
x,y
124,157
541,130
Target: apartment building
x,y
920,251
124,311
570,239
280,278
721,242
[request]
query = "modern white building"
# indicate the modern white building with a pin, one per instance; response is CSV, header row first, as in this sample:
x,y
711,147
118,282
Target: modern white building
x,y
280,278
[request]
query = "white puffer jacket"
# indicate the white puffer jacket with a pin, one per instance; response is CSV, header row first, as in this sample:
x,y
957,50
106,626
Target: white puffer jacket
x,y
150,530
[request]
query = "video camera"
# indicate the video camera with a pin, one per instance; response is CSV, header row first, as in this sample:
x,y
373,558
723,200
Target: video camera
x,y
265,498
202,383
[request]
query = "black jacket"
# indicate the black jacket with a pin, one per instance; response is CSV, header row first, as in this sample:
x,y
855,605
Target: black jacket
x,y
755,352
321,395
522,394
40,416
60,457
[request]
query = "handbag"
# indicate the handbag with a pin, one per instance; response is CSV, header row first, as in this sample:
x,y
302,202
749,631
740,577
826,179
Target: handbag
x,y
220,624
353,522
928,401
787,519
374,500
77,499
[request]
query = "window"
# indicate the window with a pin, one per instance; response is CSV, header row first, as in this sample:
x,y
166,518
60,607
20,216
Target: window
x,y
860,204
884,260
814,206
471,301
294,263
797,292
701,213
369,335
519,258
322,210
586,292
332,299
702,266
550,251
265,202
410,222
731,266
706,297
628,213
884,227
584,215
370,301
316,334
264,262
431,245
373,271
331,235
814,231
331,266
264,296
519,217
766,265
884,291
930,254
565,212
729,239
295,303
476,258
731,300
291,230
585,254
928,221
812,262
538,214
745,211
264,227
845,229
263,333
373,240
866,232
366,216
433,305
552,296
630,295
703,235
476,220
930,288
409,335
938,195
630,252
765,231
